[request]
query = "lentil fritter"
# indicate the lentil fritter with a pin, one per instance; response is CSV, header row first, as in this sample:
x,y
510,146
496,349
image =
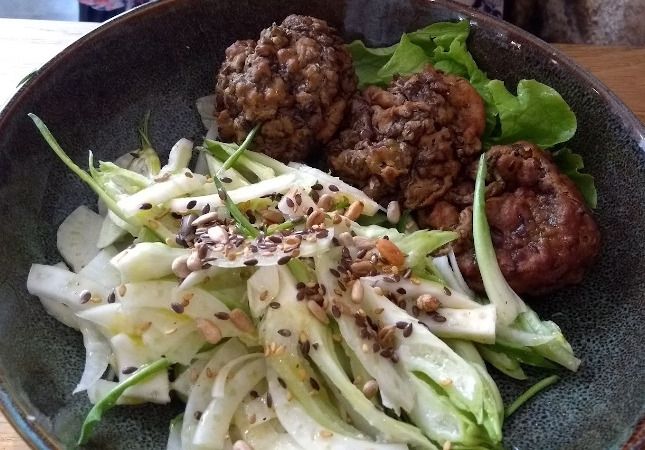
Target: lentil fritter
x,y
296,80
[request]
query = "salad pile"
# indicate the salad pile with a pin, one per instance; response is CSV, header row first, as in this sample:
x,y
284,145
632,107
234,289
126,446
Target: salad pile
x,y
286,308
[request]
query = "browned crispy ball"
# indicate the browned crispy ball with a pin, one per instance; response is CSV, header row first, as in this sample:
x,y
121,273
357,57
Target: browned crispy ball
x,y
411,140
296,80
544,234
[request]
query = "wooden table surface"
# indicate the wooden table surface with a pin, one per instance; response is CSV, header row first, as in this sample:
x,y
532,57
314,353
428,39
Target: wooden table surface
x,y
27,44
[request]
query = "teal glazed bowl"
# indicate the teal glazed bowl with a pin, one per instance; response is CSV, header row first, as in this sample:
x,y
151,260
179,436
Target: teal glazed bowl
x,y
163,56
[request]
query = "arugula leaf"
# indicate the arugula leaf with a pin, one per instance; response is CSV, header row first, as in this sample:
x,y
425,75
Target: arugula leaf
x,y
570,164
107,402
537,114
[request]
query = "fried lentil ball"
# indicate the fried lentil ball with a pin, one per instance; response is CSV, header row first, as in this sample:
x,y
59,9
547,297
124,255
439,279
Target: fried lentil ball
x,y
296,80
544,235
411,140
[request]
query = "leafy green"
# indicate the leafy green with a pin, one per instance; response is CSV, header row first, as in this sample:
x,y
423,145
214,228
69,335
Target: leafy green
x,y
537,114
570,164
530,392
107,402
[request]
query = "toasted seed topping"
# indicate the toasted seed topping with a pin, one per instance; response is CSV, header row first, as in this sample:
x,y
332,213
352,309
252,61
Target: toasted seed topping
x,y
254,394
274,305
361,268
446,290
390,252
333,188
335,310
191,204
289,201
211,332
177,307
226,180
269,400
370,388
401,291
357,292
407,331
128,370
325,202
317,311
334,272
283,260
438,318
241,321
251,262
355,210
314,384
427,303
282,383
111,297
284,332
145,206
85,296
317,187
222,315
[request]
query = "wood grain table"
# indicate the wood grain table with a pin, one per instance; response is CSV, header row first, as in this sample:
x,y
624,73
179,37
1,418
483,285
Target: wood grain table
x,y
26,44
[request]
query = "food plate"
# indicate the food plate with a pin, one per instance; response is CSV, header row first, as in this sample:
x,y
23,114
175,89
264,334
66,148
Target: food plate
x,y
161,58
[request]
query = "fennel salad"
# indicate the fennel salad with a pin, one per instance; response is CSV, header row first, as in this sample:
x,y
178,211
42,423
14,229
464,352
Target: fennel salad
x,y
286,308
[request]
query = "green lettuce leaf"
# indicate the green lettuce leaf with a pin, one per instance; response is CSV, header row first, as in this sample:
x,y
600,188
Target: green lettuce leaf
x,y
570,164
537,114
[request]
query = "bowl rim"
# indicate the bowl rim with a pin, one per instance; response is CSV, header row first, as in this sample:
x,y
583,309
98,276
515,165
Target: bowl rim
x,y
18,411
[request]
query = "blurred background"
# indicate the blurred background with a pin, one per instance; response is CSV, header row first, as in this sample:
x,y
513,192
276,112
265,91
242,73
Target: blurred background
x,y
609,22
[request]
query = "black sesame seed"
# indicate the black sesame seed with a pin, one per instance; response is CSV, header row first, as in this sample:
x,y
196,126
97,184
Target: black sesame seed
x,y
221,194
285,259
85,296
290,203
394,358
298,198
128,370
408,330
111,297
197,415
177,307
446,290
376,347
304,347
416,311
333,188
314,384
282,383
254,394
315,196
251,262
322,234
191,204
300,285
176,215
317,187
145,206
361,253
269,400
401,291
387,353
310,210
225,180
334,272
275,238
206,209
438,318
300,296
274,305
222,315
284,332
401,324
335,310
315,345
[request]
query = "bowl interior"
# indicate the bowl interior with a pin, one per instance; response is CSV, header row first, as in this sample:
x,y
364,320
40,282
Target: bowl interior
x,y
161,58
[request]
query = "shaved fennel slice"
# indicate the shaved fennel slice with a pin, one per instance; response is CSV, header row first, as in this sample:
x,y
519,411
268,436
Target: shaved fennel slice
x,y
460,278
448,299
146,261
77,237
179,156
174,433
97,356
206,109
61,312
63,286
237,180
219,386
279,184
262,288
163,294
100,269
308,433
130,353
447,267
370,207
423,352
393,382
477,324
161,192
199,397
198,277
216,419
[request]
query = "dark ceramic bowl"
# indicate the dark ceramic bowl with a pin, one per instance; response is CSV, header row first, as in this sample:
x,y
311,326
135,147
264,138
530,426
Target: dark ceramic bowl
x,y
161,58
